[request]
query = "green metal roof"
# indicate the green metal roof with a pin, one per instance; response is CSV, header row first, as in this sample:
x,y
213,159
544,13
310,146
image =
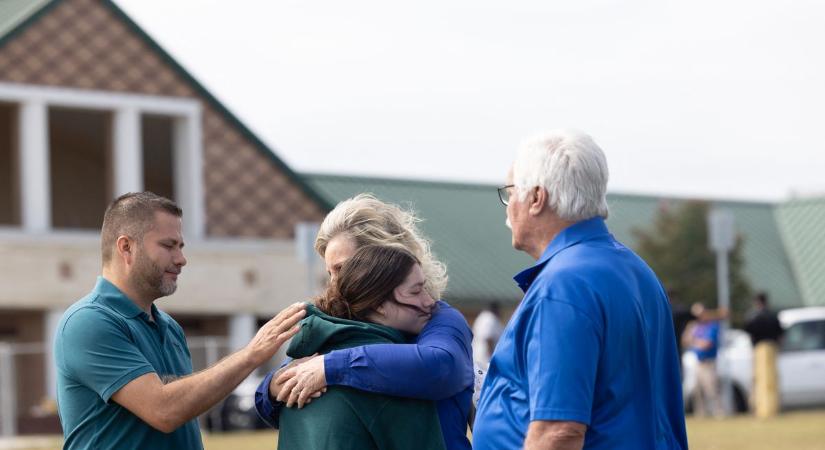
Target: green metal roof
x,y
802,226
766,267
466,224
15,12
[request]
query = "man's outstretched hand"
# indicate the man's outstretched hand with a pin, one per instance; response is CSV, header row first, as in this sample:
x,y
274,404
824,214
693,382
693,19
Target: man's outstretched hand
x,y
274,333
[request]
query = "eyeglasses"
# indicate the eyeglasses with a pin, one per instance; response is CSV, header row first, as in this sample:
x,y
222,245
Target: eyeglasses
x,y
504,194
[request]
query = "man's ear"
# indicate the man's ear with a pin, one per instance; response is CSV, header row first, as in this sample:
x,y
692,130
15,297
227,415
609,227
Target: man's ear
x,y
538,200
125,249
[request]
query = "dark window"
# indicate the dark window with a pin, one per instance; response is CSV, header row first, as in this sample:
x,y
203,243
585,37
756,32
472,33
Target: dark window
x,y
80,164
157,134
9,166
805,336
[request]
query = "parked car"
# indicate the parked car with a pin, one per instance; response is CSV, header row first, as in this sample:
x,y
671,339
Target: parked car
x,y
237,411
802,357
800,362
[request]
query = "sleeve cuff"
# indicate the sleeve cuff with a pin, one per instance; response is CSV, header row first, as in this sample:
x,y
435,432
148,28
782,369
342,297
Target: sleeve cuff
x,y
264,404
123,381
335,365
561,415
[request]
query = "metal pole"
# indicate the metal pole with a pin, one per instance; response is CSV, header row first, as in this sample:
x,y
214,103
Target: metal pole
x,y
723,281
305,233
723,290
8,399
722,239
211,350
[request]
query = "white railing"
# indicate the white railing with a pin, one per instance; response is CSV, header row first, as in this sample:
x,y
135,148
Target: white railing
x,y
8,382
205,350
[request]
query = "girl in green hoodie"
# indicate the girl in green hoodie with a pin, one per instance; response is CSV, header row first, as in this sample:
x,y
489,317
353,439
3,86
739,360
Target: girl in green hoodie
x,y
377,297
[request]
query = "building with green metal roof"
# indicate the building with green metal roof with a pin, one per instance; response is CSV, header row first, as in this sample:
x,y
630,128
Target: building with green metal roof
x,y
466,224
801,225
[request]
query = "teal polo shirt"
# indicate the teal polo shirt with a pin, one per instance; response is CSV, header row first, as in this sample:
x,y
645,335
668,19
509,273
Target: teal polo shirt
x,y
103,342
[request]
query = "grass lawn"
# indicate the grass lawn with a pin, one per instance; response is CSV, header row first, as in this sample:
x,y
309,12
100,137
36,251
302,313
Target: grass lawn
x,y
799,430
258,440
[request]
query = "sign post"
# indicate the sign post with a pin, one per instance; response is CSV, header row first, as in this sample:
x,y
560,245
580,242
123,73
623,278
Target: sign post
x,y
305,233
722,239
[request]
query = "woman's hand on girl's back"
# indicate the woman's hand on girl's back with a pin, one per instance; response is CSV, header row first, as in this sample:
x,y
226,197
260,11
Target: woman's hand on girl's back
x,y
300,381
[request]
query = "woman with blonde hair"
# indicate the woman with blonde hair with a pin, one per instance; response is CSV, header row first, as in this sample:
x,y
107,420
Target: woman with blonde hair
x,y
365,220
435,365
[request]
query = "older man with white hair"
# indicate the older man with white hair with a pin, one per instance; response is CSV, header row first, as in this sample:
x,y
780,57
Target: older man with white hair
x,y
589,359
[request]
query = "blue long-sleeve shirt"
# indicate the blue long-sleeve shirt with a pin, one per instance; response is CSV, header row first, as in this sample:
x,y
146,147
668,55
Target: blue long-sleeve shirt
x,y
437,366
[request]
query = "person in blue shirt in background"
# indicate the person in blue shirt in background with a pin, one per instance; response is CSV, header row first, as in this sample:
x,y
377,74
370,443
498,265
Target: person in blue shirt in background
x,y
704,343
588,359
436,365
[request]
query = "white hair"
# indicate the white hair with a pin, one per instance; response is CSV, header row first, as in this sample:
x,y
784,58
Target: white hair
x,y
571,167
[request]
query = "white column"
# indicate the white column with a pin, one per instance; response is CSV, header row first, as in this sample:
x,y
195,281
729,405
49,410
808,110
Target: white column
x,y
127,152
50,322
8,391
35,182
242,328
188,176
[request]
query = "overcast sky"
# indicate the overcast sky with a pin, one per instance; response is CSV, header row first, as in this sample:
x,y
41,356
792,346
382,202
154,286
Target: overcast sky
x,y
721,99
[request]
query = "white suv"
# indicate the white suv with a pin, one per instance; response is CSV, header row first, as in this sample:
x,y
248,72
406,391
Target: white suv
x,y
801,361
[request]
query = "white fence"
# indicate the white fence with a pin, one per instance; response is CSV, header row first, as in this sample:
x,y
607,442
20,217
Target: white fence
x,y
19,362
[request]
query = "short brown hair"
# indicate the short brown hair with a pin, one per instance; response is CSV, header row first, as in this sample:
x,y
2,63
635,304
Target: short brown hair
x,y
366,281
132,214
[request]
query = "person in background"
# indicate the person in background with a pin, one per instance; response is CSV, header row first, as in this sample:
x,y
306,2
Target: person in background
x,y
703,340
684,319
486,331
765,330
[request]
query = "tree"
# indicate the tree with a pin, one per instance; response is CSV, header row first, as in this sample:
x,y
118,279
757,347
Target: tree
x,y
676,248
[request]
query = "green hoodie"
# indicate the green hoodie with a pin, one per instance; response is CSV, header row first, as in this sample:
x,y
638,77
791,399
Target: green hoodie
x,y
348,419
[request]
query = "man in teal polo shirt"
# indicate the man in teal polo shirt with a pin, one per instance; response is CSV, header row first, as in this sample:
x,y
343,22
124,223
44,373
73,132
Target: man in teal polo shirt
x,y
124,371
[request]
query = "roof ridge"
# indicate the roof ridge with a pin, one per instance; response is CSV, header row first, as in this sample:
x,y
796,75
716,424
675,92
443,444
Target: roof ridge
x,y
29,12
222,109
401,180
799,202
482,185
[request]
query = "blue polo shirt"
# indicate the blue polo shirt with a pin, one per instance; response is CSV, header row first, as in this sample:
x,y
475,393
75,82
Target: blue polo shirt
x,y
708,331
591,342
103,342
